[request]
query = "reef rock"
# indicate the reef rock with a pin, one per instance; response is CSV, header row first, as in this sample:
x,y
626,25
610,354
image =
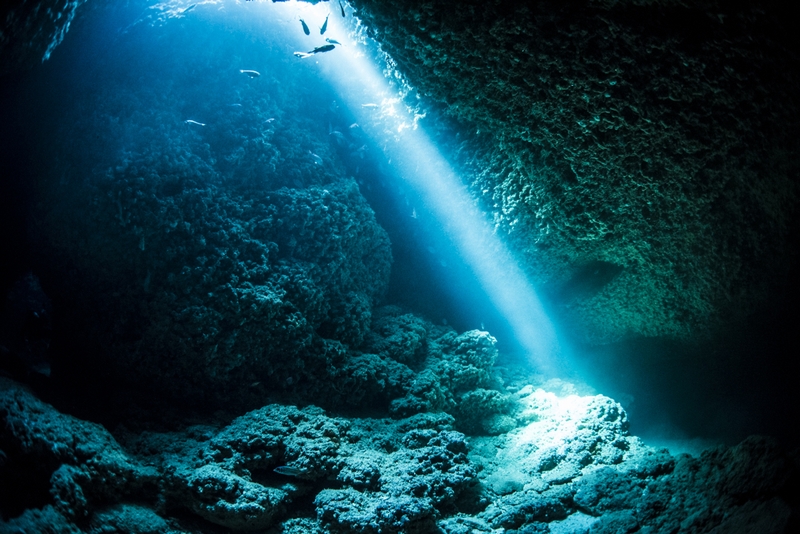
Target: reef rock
x,y
206,259
636,153
66,466
568,464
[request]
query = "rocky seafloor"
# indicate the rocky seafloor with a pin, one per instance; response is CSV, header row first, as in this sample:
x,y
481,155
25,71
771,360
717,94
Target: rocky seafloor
x,y
210,301
556,463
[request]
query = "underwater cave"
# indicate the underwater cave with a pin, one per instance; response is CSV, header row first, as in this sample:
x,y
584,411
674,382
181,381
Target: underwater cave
x,y
410,267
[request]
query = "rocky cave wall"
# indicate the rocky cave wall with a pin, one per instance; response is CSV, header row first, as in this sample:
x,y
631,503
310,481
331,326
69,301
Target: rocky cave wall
x,y
30,31
640,155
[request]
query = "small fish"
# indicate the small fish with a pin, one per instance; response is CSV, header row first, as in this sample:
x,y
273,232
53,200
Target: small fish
x,y
369,105
325,25
323,48
234,105
414,213
317,159
342,8
354,126
250,73
359,153
191,7
333,41
270,120
289,470
339,138
190,121
302,55
305,27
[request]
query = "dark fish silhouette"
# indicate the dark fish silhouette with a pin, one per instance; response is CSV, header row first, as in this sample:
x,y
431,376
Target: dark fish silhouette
x,y
342,8
289,471
317,50
305,27
324,48
324,26
250,73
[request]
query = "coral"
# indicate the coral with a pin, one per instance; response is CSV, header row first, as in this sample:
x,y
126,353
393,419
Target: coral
x,y
400,336
227,477
467,359
128,518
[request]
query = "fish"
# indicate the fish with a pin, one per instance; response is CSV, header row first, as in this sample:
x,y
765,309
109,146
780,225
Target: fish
x,y
342,8
333,41
270,120
359,153
305,27
317,159
289,470
250,73
369,105
302,55
338,138
234,105
191,7
190,121
324,25
323,48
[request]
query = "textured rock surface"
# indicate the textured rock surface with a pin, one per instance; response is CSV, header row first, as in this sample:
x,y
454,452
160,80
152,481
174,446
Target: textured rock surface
x,y
30,31
210,255
66,466
639,154
566,464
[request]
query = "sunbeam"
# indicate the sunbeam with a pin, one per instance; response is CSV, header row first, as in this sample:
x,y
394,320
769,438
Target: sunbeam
x,y
381,111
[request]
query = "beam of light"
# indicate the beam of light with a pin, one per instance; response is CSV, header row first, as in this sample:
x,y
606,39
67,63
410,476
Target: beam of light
x,y
380,109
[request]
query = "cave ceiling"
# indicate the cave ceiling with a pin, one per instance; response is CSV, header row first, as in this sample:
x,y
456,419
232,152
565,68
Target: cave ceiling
x,y
641,156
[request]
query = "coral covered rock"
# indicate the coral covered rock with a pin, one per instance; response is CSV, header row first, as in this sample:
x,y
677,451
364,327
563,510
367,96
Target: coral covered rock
x,y
569,465
640,163
210,255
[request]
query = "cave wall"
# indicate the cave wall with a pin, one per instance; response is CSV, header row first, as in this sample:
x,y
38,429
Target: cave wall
x,y
30,31
639,155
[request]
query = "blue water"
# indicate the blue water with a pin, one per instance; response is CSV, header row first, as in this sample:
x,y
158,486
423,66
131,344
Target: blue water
x,y
144,81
